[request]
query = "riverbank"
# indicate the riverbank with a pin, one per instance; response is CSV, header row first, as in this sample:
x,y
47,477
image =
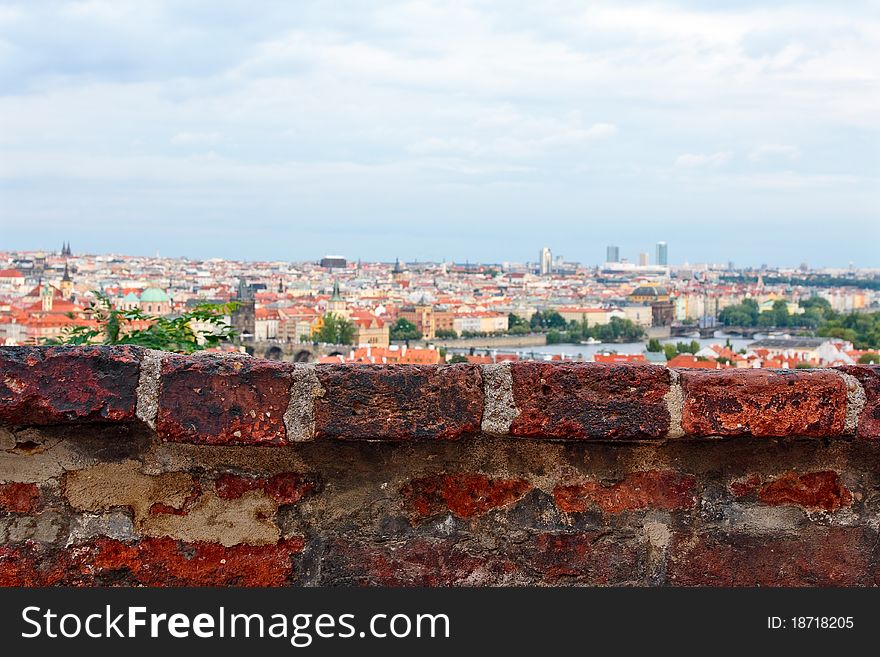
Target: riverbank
x,y
587,351
490,342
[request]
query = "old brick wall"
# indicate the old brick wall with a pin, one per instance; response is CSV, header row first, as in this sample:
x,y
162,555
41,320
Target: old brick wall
x,y
126,466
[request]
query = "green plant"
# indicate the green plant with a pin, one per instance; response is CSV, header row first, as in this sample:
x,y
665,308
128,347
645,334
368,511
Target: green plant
x,y
404,329
113,326
336,329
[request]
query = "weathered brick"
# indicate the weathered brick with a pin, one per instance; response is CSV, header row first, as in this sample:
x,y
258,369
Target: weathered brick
x,y
463,494
55,385
19,498
223,400
150,562
744,486
591,400
813,490
819,556
869,420
654,489
400,402
284,488
763,403
417,562
586,558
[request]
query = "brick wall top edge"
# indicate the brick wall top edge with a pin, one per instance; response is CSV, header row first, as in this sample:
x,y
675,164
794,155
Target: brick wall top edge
x,y
211,398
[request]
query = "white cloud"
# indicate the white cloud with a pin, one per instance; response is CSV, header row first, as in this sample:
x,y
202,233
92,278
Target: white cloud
x,y
770,151
562,105
697,160
196,138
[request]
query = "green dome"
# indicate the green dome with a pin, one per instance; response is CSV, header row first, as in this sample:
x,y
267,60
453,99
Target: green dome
x,y
130,297
154,295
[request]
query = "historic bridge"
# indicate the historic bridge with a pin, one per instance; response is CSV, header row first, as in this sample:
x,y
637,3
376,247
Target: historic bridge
x,y
680,331
297,352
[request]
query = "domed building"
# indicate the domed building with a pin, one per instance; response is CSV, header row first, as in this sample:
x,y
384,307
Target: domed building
x,y
154,301
649,294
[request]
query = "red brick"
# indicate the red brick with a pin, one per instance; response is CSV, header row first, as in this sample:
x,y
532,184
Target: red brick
x,y
284,488
763,403
223,400
654,489
584,401
417,562
464,495
19,498
587,559
869,420
745,486
56,385
399,402
150,562
813,490
819,556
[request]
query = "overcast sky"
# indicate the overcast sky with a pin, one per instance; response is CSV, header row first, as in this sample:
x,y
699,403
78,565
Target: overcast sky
x,y
430,130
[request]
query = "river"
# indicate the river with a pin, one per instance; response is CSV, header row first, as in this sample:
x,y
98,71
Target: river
x,y
587,351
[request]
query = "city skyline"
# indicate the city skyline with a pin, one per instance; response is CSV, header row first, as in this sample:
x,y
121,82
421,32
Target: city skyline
x,y
463,130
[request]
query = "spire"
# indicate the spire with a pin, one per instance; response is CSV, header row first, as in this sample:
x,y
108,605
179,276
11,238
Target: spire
x,y
66,276
337,296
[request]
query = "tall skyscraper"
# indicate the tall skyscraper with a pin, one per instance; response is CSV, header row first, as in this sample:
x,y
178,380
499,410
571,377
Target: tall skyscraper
x,y
643,259
545,261
662,254
612,254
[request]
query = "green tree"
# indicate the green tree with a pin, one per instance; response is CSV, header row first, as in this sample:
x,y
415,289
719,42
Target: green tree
x,y
458,358
446,333
670,351
336,329
404,329
113,326
516,325
869,359
548,319
654,345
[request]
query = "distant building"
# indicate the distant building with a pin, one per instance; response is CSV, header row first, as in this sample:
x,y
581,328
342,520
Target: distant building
x,y
244,319
334,262
644,259
371,331
612,254
649,294
337,304
592,316
66,283
11,278
155,302
422,315
545,262
662,254
398,274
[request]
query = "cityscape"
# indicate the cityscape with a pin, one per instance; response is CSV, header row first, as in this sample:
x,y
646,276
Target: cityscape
x,y
336,309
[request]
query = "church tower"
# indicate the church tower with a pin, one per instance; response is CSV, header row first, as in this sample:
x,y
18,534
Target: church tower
x,y
337,304
47,295
66,284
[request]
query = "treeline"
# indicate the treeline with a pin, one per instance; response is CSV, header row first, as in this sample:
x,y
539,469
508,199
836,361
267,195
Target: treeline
x,y
748,313
812,281
862,329
616,330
